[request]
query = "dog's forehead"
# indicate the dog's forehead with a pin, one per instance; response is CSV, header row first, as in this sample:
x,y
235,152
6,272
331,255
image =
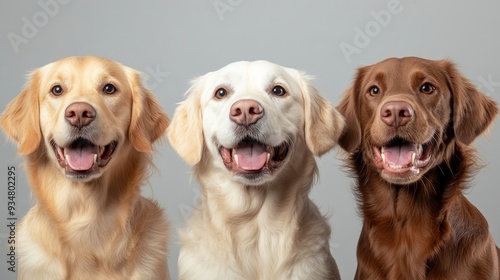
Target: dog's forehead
x,y
255,73
72,69
401,69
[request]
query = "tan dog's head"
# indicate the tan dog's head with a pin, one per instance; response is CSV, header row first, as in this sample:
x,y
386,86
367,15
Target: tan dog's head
x,y
83,111
404,114
248,118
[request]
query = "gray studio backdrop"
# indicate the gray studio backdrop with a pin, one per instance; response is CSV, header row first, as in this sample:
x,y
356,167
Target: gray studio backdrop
x,y
173,41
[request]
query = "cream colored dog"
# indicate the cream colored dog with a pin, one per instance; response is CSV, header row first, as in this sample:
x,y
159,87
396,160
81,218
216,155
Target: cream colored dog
x,y
251,131
86,127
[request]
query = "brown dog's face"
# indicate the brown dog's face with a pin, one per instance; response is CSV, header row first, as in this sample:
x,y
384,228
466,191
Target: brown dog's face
x,y
85,111
405,113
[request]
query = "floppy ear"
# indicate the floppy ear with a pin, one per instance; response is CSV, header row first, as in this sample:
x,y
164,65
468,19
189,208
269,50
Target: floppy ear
x,y
323,123
186,130
21,118
148,121
473,111
351,136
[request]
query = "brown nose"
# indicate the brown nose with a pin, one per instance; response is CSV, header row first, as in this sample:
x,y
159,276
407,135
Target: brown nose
x,y
396,113
246,112
79,114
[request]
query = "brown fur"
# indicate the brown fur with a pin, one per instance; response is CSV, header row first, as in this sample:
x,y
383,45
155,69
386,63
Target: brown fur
x,y
419,225
95,227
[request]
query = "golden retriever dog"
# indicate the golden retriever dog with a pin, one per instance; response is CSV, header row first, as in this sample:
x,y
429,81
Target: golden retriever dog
x,y
86,126
251,131
411,125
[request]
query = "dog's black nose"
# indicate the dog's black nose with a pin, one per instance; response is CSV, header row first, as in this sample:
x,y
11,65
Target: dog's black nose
x,y
396,113
246,112
80,114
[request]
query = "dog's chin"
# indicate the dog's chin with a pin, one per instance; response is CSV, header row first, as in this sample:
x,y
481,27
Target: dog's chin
x,y
83,160
402,162
253,162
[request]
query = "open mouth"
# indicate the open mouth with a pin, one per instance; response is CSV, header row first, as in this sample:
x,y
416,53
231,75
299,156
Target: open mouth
x,y
400,156
82,157
251,156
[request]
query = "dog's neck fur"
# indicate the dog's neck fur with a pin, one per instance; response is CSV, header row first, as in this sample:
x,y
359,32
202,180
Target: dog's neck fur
x,y
270,200
389,226
66,205
240,214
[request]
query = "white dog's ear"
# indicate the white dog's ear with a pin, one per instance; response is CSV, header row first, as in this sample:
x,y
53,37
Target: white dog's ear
x,y
148,121
21,118
323,123
186,130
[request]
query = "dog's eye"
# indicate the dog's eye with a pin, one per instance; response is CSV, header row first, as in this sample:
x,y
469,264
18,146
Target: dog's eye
x,y
427,88
56,90
374,90
220,93
109,89
278,90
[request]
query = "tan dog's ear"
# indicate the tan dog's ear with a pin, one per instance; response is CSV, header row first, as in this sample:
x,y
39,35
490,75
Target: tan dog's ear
x,y
21,118
351,136
323,123
473,111
148,121
186,131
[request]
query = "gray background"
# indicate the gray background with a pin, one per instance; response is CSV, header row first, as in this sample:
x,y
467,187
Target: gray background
x,y
175,41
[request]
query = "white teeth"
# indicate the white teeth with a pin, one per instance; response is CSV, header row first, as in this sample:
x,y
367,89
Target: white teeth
x,y
383,158
236,159
382,150
95,158
420,148
66,156
268,158
413,155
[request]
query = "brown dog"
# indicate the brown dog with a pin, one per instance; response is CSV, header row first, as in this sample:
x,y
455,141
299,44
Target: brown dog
x,y
86,126
410,124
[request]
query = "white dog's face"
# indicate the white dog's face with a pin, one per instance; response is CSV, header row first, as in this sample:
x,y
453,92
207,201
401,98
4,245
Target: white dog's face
x,y
88,110
252,117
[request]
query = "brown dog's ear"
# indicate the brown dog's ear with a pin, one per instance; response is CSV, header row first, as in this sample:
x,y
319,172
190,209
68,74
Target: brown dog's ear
x,y
351,137
21,118
186,130
473,111
148,121
323,123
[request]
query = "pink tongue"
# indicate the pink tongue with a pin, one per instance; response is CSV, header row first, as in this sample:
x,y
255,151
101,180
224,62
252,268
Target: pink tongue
x,y
81,158
251,157
400,155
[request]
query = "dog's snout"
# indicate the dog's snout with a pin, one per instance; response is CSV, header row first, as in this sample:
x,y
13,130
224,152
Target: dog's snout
x,y
396,113
80,114
246,112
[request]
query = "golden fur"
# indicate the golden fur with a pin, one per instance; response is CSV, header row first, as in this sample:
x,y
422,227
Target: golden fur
x,y
255,222
88,224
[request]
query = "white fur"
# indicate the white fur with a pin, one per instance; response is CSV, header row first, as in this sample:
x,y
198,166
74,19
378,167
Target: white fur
x,y
266,228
